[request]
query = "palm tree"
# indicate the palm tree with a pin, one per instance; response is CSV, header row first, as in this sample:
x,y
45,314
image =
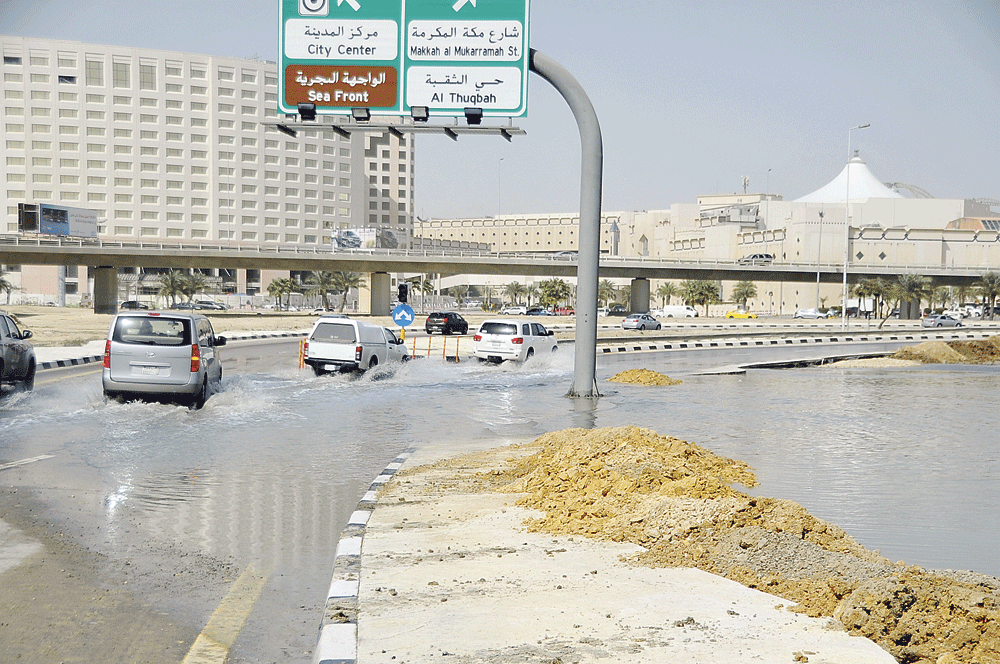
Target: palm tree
x,y
666,290
6,286
699,291
514,291
193,283
322,283
605,291
940,294
908,288
877,289
344,283
554,291
171,285
531,293
988,287
743,291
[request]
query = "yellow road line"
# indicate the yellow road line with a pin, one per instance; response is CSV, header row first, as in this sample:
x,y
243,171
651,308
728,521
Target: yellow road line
x,y
75,375
213,644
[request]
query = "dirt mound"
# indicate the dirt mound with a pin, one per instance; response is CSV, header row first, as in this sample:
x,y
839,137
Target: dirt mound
x,y
674,498
985,351
643,377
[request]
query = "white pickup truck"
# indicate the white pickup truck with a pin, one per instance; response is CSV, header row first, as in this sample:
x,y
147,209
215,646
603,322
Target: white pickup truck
x,y
342,344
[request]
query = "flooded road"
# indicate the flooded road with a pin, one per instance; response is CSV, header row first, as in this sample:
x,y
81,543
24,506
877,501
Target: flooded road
x,y
175,502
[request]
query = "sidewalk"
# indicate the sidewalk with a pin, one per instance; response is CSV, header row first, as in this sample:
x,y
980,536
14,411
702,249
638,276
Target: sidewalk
x,y
436,570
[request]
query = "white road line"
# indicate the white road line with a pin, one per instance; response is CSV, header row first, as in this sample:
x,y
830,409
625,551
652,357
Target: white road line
x,y
22,462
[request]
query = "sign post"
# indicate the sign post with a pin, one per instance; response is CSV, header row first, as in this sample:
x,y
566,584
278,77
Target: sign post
x,y
390,55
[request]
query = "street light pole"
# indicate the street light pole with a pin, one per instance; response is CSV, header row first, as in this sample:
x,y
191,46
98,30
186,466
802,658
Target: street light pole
x,y
819,256
499,163
847,223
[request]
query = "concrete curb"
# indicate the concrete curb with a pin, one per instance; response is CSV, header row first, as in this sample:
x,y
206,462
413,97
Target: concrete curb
x,y
794,341
88,359
338,632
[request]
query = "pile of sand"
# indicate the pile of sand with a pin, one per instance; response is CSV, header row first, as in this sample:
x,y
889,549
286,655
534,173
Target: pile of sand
x,y
986,351
643,377
674,498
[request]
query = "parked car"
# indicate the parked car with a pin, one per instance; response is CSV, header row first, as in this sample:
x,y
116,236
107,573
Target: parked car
x,y
940,320
740,313
183,306
539,311
640,322
810,313
756,259
617,310
498,339
133,305
17,355
337,344
447,322
162,356
209,304
678,311
514,310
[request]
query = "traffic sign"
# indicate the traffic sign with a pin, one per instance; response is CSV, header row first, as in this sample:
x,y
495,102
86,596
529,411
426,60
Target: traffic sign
x,y
391,55
402,315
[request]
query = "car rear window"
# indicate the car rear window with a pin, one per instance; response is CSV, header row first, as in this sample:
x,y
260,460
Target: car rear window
x,y
152,331
498,328
334,333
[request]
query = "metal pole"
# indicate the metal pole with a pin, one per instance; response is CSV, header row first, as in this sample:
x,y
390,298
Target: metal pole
x,y
847,223
591,172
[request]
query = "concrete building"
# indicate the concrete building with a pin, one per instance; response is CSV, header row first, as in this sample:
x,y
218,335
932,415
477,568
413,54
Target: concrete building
x,y
173,147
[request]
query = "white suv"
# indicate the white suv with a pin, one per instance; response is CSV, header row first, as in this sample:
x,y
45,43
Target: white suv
x,y
502,339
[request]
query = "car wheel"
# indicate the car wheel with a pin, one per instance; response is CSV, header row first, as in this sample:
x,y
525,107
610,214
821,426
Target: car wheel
x,y
531,351
939,325
318,370
28,383
658,326
670,315
199,399
373,362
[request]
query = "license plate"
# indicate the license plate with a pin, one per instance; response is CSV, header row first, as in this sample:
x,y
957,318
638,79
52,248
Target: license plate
x,y
150,371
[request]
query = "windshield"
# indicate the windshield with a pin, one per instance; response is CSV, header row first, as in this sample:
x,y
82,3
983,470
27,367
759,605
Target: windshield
x,y
334,333
152,331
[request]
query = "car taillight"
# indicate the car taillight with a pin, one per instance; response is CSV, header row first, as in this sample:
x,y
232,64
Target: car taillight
x,y
305,348
478,337
517,340
357,354
107,354
195,358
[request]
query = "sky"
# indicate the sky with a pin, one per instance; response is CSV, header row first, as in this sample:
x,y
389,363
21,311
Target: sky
x,y
691,96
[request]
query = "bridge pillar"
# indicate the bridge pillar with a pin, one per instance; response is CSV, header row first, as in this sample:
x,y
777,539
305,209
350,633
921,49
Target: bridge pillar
x,y
639,303
105,290
377,298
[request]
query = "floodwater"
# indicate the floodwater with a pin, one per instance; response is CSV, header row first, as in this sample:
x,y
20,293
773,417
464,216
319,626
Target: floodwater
x,y
904,460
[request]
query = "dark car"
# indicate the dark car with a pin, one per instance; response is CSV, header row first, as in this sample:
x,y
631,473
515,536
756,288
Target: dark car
x,y
183,305
539,311
17,355
209,304
446,322
133,305
617,310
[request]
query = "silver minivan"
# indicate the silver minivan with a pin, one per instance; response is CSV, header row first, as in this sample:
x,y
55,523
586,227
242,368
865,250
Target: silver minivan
x,y
163,356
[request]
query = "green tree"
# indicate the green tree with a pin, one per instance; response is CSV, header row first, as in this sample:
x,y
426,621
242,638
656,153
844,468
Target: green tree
x,y
171,285
321,283
532,294
665,291
344,283
743,291
908,288
6,286
699,291
193,283
553,292
877,289
988,288
940,294
605,291
514,291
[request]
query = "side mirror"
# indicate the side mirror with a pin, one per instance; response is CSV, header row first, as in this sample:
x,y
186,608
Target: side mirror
x,y
26,334
220,341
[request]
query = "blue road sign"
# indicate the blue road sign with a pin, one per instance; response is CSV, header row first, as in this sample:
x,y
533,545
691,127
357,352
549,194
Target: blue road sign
x,y
403,315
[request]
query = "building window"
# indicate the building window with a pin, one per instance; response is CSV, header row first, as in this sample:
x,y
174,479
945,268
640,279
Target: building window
x,y
120,75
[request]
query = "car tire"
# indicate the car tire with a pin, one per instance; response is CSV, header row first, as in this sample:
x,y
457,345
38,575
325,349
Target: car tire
x,y
318,370
531,351
28,384
372,363
658,326
199,399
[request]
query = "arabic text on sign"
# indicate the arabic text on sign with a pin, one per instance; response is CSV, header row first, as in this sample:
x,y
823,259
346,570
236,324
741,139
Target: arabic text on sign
x,y
457,87
465,40
328,39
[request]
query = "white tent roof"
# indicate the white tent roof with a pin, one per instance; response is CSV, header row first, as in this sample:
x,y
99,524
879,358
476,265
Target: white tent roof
x,y
863,185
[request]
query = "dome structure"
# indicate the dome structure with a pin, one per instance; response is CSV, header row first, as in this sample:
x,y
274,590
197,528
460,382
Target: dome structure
x,y
864,185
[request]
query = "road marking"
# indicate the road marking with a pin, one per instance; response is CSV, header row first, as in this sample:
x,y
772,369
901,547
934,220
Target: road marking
x,y
15,464
213,644
75,375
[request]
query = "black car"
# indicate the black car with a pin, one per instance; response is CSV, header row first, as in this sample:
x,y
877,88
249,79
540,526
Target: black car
x,y
447,322
17,356
617,310
133,305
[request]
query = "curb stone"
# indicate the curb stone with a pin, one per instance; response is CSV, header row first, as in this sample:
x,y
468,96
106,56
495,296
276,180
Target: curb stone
x,y
338,632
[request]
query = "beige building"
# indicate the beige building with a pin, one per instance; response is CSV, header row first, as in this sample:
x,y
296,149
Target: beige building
x,y
177,147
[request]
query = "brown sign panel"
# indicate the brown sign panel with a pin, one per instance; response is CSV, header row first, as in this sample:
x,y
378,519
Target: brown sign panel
x,y
344,86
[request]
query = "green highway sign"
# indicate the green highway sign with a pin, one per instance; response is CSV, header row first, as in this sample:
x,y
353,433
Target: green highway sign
x,y
391,55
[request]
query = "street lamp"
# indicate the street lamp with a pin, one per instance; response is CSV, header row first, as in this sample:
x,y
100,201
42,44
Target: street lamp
x,y
819,256
847,223
767,206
